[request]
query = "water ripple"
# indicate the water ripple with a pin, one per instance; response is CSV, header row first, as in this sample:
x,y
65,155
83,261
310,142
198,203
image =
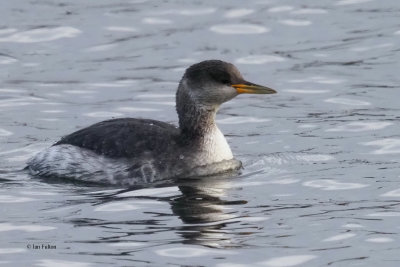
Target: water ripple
x,y
4,132
117,207
11,251
41,35
388,146
309,11
333,185
379,239
292,22
280,9
61,263
351,2
188,252
347,101
14,199
241,120
287,261
5,60
393,193
237,13
239,29
120,29
103,114
360,126
259,59
339,237
26,228
159,21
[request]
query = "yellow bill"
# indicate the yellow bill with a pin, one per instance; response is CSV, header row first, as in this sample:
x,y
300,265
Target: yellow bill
x,y
251,88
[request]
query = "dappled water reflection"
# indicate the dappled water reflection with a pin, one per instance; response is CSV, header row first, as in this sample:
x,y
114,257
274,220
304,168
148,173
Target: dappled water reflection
x,y
205,214
198,203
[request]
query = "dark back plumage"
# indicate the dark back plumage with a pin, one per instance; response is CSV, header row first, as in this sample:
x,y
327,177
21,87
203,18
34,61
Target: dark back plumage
x,y
124,137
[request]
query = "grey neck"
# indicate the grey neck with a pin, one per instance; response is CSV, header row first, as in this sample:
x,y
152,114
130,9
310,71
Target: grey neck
x,y
195,120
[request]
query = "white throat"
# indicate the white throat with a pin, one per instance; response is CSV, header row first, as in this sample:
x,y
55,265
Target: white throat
x,y
215,148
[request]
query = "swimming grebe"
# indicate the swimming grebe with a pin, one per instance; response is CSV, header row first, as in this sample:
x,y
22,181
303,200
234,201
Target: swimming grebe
x,y
130,151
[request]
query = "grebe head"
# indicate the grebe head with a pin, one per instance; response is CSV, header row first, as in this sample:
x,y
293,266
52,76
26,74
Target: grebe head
x,y
203,88
213,82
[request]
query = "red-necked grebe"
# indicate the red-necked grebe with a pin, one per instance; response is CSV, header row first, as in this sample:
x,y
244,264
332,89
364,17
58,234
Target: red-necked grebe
x,y
130,151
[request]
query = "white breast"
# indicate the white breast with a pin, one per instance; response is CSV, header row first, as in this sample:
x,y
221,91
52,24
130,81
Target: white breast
x,y
216,148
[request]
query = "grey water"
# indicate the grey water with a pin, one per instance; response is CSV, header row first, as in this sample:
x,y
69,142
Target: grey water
x,y
321,178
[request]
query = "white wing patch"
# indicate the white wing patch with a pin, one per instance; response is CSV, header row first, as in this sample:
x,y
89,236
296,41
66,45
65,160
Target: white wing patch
x,y
81,164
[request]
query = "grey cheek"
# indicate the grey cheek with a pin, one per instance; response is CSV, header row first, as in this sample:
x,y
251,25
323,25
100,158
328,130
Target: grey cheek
x,y
229,93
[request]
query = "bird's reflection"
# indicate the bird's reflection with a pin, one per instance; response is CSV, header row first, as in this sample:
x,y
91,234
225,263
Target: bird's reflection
x,y
208,216
204,211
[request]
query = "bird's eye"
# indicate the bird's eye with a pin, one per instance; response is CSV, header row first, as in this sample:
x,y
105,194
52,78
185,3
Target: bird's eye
x,y
226,81
220,77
